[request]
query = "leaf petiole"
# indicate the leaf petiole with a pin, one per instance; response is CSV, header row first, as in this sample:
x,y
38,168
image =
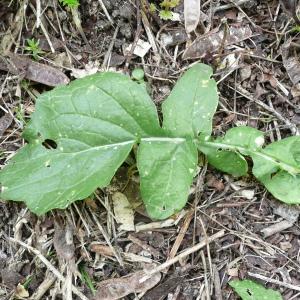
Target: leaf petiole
x,y
250,152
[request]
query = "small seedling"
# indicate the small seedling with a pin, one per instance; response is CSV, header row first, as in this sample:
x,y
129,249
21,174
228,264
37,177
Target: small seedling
x,y
250,290
70,3
165,12
33,48
138,74
80,134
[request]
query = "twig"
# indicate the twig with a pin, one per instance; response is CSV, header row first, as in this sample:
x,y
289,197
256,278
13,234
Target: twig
x,y
110,48
183,254
230,5
217,284
38,13
247,95
277,227
270,280
43,287
106,12
137,35
43,29
106,237
49,266
180,236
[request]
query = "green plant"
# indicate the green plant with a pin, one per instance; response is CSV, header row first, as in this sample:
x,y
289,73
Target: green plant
x,y
250,290
80,134
165,12
70,3
33,48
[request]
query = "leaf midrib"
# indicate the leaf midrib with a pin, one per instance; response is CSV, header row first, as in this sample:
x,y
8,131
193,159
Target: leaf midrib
x,y
291,169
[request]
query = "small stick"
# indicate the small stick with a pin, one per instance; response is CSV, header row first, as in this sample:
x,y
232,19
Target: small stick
x,y
180,236
105,63
49,266
183,254
217,284
38,13
106,12
137,35
275,281
247,95
277,227
230,5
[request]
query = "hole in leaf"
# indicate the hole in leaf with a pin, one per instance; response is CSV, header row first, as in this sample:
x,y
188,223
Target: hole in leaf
x,y
273,174
249,292
164,208
49,144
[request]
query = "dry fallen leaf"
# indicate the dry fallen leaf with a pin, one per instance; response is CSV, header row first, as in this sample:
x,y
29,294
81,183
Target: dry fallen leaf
x,y
123,212
32,70
211,42
117,288
191,14
290,62
63,242
21,292
5,122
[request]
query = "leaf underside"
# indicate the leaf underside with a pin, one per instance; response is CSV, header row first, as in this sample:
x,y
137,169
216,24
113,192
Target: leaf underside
x,y
250,290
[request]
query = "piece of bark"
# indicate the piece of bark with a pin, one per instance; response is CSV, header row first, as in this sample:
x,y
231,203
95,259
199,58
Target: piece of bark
x,y
290,62
191,14
211,42
63,242
32,70
117,288
5,122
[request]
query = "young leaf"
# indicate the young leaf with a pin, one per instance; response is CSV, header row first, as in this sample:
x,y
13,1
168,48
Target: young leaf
x,y
93,124
227,161
250,290
190,107
279,169
167,167
224,153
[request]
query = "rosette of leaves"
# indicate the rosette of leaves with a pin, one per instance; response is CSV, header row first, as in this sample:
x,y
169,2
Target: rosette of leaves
x,y
80,134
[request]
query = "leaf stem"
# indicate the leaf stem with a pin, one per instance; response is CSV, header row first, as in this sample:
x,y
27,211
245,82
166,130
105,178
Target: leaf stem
x,y
260,153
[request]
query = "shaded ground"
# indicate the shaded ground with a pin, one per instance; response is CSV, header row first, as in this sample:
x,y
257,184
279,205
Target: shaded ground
x,y
258,85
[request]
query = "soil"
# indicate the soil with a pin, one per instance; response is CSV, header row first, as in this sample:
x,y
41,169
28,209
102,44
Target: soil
x,y
258,85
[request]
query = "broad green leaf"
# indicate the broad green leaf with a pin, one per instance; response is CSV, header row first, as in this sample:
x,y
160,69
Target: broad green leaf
x,y
94,123
47,179
167,167
250,290
227,161
224,153
279,169
190,107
